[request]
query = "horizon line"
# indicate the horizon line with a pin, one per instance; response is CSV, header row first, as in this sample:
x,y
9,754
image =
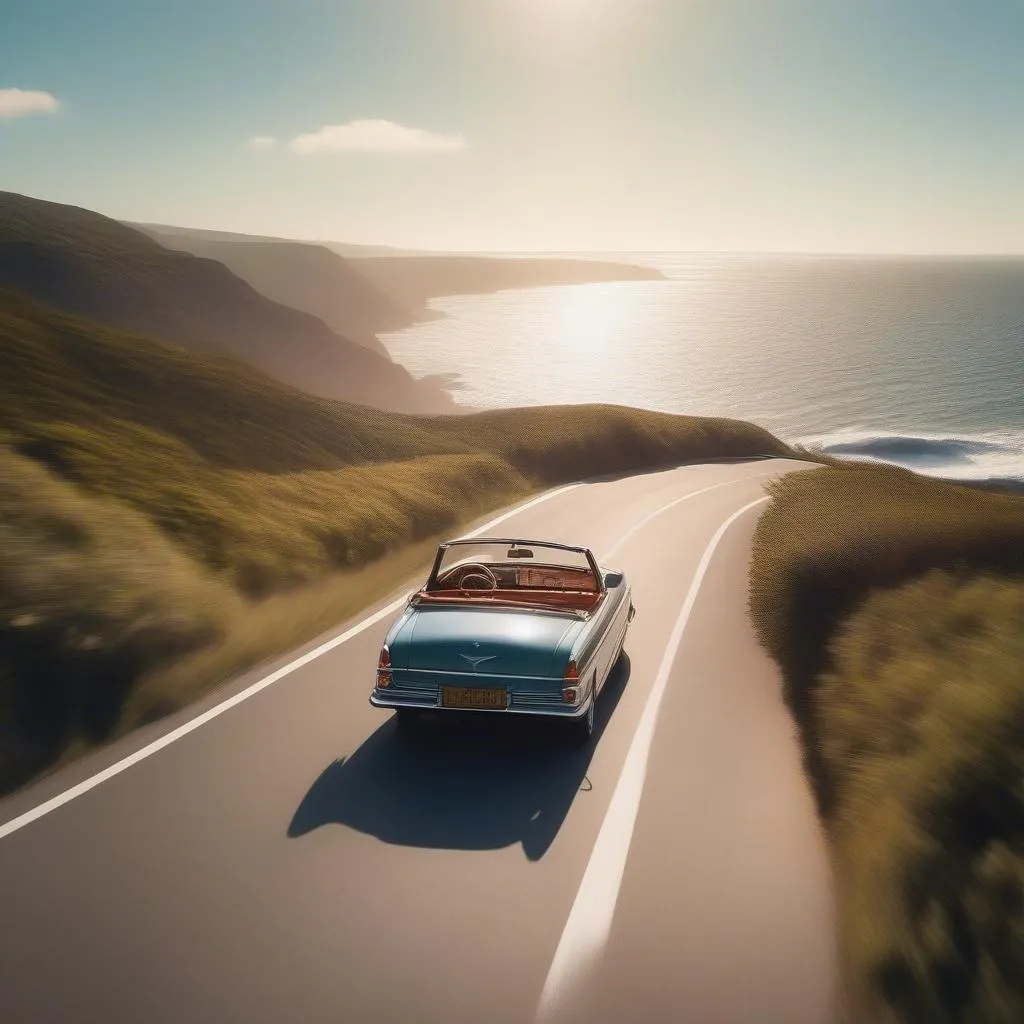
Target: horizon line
x,y
828,253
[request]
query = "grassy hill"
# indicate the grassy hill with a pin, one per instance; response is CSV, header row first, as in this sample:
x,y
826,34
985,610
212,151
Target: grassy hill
x,y
210,235
82,262
894,604
168,518
375,290
307,277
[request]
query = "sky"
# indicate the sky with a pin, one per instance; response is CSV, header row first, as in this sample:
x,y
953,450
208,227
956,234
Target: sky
x,y
888,126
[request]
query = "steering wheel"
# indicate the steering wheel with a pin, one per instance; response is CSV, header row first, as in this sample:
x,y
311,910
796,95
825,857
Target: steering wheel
x,y
477,571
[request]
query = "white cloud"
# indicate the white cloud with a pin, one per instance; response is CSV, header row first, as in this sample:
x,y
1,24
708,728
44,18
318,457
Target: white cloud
x,y
22,102
262,142
375,136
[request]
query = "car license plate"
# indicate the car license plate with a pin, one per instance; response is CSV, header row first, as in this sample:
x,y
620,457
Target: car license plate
x,y
473,697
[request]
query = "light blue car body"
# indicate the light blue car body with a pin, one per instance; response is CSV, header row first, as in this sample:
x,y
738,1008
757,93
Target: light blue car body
x,y
521,650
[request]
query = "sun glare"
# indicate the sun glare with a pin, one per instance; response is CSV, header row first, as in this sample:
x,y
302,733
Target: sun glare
x,y
589,322
567,9
568,23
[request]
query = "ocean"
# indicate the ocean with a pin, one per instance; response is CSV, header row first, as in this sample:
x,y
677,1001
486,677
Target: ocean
x,y
917,361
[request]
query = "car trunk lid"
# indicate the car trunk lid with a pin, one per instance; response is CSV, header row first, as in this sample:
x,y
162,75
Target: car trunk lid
x,y
488,641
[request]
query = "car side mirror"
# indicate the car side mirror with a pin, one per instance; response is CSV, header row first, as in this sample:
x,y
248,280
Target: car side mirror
x,y
613,579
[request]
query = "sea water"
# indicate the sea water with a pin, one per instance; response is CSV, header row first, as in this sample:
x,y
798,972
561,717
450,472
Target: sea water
x,y
918,361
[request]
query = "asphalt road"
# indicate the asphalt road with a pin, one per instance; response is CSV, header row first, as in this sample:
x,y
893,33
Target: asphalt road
x,y
292,859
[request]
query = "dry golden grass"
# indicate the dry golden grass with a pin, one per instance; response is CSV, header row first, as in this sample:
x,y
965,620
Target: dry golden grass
x,y
895,607
278,624
92,595
922,724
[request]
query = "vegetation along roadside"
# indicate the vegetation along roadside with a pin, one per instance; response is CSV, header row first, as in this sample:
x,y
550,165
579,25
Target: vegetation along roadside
x,y
894,604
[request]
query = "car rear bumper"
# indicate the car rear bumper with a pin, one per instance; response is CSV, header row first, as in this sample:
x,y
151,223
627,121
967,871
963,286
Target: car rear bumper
x,y
391,701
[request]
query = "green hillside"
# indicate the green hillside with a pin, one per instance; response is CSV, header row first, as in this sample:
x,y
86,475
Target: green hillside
x,y
81,262
159,506
306,277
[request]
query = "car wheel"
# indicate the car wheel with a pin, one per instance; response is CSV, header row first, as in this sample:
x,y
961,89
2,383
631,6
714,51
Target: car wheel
x,y
583,728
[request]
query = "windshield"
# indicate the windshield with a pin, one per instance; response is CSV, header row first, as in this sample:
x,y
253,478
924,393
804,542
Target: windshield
x,y
513,565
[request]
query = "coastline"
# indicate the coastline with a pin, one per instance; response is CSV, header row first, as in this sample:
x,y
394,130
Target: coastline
x,y
452,380
417,280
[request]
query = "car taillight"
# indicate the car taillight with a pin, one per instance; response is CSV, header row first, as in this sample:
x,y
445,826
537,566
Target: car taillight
x,y
384,677
570,694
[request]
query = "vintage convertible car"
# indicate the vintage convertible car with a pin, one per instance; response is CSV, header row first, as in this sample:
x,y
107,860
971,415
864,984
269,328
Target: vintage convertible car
x,y
510,626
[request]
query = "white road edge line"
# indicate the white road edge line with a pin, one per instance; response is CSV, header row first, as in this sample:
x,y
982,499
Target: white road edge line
x,y
590,919
183,730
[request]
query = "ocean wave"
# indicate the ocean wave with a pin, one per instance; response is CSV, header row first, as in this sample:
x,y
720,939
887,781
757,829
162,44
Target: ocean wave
x,y
992,457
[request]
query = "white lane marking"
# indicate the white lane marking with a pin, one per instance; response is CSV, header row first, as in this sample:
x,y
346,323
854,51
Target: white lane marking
x,y
590,920
183,730
686,497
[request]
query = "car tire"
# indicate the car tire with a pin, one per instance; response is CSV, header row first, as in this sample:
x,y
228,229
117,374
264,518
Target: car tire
x,y
583,727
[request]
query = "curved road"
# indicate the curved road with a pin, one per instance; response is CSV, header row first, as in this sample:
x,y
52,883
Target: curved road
x,y
289,858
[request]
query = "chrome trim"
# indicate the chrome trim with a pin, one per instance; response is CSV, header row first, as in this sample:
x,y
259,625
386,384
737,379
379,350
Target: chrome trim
x,y
478,675
404,696
475,663
517,606
527,699
507,541
570,711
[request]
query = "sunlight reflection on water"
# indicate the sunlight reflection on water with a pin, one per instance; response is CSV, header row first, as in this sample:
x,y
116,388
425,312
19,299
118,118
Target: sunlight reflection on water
x,y
803,346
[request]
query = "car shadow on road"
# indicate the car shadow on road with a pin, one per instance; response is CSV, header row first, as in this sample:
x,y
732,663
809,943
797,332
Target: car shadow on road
x,y
465,782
